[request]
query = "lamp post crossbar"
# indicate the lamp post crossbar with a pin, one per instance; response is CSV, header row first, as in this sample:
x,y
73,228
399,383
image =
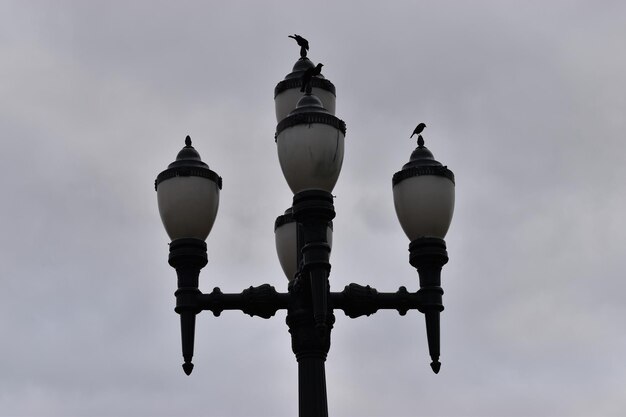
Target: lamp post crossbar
x,y
355,301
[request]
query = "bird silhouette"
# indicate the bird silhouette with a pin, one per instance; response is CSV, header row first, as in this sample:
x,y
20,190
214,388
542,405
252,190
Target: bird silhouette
x,y
308,75
420,127
303,43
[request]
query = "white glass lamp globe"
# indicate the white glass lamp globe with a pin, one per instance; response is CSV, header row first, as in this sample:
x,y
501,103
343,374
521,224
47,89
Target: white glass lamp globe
x,y
423,196
287,92
188,194
310,144
287,246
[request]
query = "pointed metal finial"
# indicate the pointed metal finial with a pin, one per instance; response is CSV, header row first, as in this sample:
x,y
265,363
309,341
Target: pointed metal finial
x,y
436,366
420,141
188,141
188,366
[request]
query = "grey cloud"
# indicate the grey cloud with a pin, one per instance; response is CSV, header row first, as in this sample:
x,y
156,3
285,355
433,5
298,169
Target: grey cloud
x,y
524,102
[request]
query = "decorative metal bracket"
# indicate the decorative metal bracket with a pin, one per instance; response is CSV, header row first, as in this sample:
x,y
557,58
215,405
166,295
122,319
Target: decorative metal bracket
x,y
357,300
262,301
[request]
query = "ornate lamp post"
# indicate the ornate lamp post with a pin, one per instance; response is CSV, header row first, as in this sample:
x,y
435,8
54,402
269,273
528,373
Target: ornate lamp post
x,y
310,143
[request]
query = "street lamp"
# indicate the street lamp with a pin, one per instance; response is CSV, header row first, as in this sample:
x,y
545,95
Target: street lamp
x,y
310,144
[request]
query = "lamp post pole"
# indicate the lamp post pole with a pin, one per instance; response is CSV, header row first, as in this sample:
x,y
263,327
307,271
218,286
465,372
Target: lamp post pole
x,y
310,142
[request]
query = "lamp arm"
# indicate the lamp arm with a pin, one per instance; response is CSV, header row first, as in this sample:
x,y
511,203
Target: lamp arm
x,y
263,301
358,300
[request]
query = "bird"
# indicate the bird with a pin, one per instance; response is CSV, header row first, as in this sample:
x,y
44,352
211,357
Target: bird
x,y
308,75
420,127
303,43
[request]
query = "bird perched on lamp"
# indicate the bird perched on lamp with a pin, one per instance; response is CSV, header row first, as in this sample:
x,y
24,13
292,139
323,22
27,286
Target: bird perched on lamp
x,y
308,75
420,127
303,43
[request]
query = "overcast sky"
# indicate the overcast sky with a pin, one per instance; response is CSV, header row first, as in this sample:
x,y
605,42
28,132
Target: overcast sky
x,y
524,101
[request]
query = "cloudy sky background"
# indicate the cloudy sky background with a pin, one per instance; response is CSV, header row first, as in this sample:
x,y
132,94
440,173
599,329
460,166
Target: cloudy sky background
x,y
524,101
